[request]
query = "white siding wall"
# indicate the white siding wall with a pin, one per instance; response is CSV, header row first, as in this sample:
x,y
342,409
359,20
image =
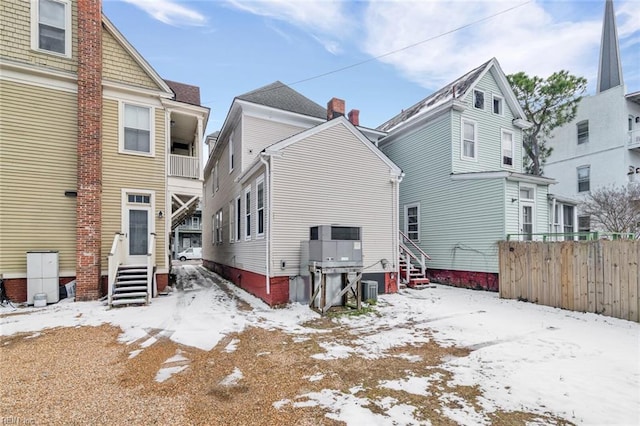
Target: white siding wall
x,y
258,133
331,178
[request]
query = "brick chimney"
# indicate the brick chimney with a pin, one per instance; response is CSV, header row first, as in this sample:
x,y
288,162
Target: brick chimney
x,y
88,207
335,108
354,117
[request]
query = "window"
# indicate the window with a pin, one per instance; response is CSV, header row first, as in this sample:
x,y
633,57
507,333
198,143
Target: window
x,y
138,199
232,226
584,225
497,104
584,173
527,209
238,218
51,26
214,228
213,181
507,148
468,140
137,129
216,177
412,221
247,213
583,132
218,227
195,222
260,205
567,219
526,193
478,99
231,159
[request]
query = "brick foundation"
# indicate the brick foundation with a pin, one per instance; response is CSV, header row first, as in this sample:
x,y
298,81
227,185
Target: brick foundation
x,y
254,283
17,287
466,279
89,180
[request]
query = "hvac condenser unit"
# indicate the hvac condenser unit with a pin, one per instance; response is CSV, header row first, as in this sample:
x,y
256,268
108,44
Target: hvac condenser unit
x,y
335,246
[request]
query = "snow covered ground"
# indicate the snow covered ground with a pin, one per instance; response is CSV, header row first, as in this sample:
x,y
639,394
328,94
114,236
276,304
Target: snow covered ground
x,y
584,368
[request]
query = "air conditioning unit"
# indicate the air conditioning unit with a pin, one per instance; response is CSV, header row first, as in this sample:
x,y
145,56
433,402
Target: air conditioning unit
x,y
335,246
369,290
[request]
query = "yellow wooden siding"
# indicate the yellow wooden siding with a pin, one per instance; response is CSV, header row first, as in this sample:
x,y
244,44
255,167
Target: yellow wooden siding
x,y
331,178
15,37
133,172
119,65
38,129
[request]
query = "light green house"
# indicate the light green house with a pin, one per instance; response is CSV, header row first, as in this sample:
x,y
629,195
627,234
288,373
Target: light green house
x,y
464,187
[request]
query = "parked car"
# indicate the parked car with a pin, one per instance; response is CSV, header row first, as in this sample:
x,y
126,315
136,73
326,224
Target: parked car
x,y
190,253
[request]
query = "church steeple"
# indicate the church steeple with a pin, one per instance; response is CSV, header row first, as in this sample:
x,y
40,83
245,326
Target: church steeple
x,y
610,67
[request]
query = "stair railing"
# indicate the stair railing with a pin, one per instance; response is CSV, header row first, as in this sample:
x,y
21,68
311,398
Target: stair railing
x,y
116,257
405,243
151,256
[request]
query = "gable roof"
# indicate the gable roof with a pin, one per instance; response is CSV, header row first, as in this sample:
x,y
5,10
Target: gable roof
x,y
456,90
279,95
186,93
135,55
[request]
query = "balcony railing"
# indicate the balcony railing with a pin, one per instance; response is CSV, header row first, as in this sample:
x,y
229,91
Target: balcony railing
x,y
184,166
634,139
190,227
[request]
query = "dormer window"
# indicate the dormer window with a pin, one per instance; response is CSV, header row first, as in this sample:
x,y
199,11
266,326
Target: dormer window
x,y
51,26
478,99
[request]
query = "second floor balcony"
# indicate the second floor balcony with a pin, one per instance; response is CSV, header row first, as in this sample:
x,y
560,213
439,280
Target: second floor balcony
x,y
184,166
634,139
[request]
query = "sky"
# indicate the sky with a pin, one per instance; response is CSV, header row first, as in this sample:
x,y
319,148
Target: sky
x,y
379,56
581,367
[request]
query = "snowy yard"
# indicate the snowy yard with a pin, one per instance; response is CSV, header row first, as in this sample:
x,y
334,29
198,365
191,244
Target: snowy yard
x,y
435,356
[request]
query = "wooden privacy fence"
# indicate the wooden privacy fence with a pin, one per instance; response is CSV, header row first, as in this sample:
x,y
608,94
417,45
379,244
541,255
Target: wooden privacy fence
x,y
587,276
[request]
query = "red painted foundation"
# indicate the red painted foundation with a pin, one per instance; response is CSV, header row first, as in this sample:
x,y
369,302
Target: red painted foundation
x,y
466,279
254,283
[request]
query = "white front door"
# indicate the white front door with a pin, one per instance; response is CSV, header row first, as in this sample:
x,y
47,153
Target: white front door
x,y
137,223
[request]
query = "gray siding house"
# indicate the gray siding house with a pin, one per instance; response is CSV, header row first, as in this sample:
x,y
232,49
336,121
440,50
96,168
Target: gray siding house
x,y
464,189
282,164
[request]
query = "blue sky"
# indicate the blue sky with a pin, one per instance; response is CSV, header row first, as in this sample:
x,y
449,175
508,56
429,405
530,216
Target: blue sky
x,y
229,47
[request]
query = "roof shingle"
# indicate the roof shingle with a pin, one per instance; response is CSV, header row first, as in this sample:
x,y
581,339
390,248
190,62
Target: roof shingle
x,y
279,95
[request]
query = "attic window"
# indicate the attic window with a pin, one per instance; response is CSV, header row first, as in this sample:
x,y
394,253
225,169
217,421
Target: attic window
x,y
497,104
51,22
478,99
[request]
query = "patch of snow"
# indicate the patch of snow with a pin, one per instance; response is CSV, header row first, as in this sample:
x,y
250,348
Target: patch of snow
x,y
135,353
34,335
279,404
461,412
233,378
413,385
315,378
165,373
178,357
334,351
232,346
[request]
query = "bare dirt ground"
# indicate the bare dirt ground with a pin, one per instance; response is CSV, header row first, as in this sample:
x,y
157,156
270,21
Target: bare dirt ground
x,y
85,376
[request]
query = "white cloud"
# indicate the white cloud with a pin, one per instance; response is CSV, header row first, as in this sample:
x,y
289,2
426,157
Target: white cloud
x,y
325,20
628,18
170,12
524,39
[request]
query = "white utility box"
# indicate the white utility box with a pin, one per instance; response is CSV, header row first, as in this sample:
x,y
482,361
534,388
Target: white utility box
x,y
43,275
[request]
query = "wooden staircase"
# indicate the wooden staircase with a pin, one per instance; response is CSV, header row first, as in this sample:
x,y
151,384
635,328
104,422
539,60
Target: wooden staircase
x,y
413,266
131,286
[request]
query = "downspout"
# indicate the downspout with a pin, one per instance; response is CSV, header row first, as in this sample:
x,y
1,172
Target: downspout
x,y
268,230
396,225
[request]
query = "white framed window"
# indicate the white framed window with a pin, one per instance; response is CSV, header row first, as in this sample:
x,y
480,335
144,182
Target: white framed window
x,y
507,148
232,225
260,206
527,193
238,218
584,178
136,129
498,102
478,99
247,213
195,222
213,181
584,225
412,221
469,148
51,26
527,212
231,156
583,132
214,228
216,176
568,213
218,227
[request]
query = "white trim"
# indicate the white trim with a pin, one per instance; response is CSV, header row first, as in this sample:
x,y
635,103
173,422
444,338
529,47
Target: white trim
x,y
493,99
475,140
216,177
231,153
528,202
260,180
406,219
239,217
250,109
232,223
513,149
124,192
152,132
121,90
504,174
37,76
68,29
484,98
247,213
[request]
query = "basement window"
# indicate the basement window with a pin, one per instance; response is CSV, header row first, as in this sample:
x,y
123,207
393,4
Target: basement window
x,y
51,26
